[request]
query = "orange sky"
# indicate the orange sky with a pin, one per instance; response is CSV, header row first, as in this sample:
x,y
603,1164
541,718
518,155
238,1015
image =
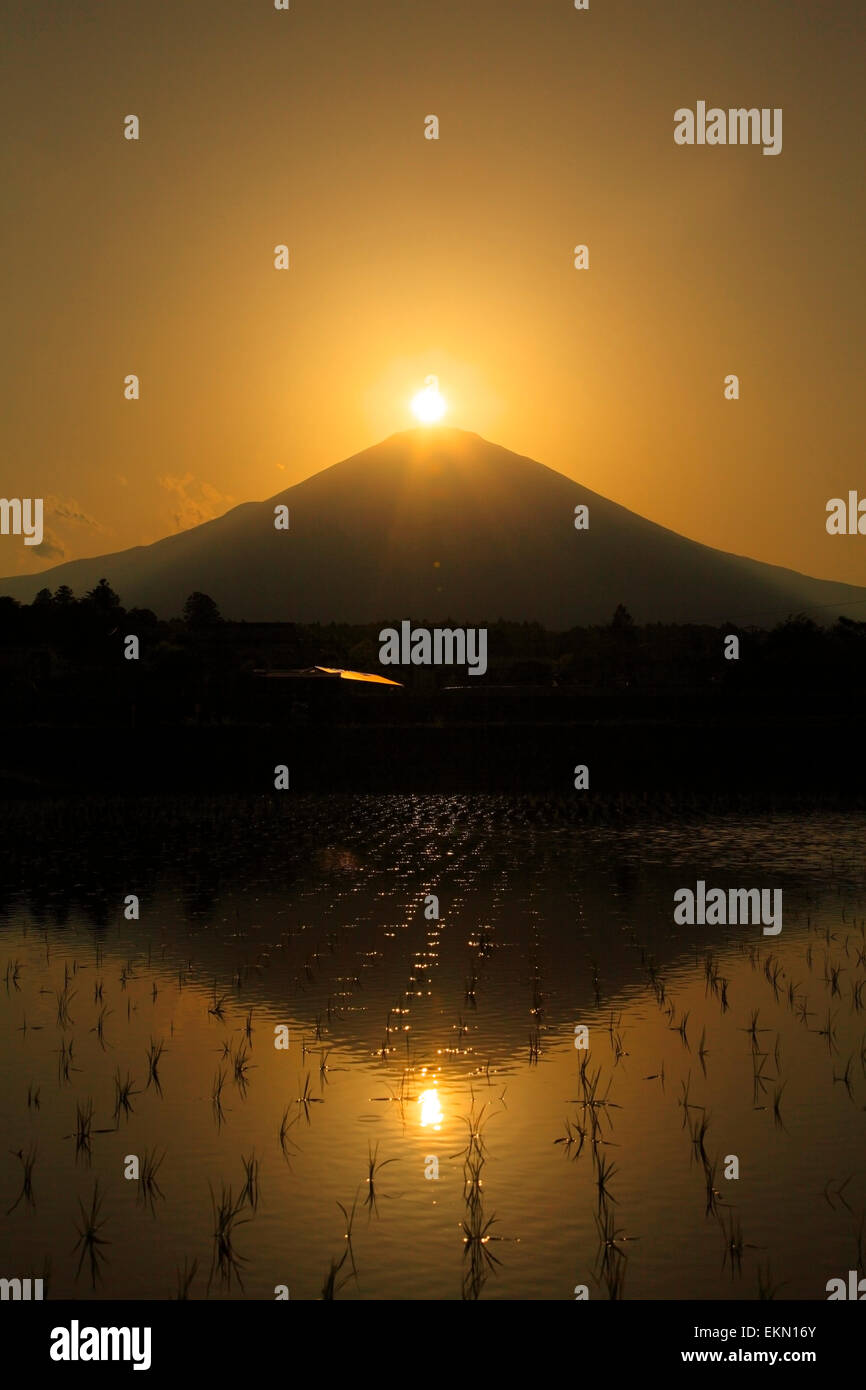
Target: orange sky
x,y
412,256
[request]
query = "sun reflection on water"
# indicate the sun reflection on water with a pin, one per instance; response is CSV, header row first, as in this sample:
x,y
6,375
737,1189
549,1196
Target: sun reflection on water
x,y
431,1110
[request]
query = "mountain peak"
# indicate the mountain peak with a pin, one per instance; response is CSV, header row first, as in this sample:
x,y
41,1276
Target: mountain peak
x,y
437,436
475,533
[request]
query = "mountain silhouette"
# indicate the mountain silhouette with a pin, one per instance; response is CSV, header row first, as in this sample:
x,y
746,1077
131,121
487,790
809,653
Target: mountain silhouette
x,y
439,523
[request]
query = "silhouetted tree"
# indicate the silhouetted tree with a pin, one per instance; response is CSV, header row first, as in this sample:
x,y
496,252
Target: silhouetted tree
x,y
201,611
103,597
142,619
43,599
622,620
64,596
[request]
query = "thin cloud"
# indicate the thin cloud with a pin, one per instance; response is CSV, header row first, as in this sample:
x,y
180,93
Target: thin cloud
x,y
50,548
68,509
196,501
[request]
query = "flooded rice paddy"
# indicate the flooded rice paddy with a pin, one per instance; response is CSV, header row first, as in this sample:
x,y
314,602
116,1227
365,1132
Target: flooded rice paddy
x,y
430,1130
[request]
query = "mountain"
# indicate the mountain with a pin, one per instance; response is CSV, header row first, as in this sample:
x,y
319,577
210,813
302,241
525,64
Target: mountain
x,y
439,523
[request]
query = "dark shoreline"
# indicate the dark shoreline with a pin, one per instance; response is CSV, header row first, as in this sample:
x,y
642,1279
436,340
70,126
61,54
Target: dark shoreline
x,y
762,761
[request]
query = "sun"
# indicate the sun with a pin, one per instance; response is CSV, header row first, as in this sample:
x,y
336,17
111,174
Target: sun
x,y
428,405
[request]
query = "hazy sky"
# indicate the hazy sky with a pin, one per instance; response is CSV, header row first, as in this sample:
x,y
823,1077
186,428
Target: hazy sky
x,y
412,256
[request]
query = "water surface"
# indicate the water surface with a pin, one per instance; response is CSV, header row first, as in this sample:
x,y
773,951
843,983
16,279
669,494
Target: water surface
x,y
420,1044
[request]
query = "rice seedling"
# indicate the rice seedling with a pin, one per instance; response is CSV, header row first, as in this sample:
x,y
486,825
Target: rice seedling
x,y
610,1260
845,1077
154,1056
476,1244
374,1167
829,1032
123,1093
613,1272
28,1162
64,999
604,1173
185,1277
226,1260
217,1009
330,1287
306,1098
767,1290
837,1194
713,1194
753,1030
89,1240
99,1030
804,1013
65,1062
285,1125
619,1047
759,1080
592,1101
684,1099
609,1236
734,1247
83,1127
777,1100
250,1189
148,1187
33,1097
240,1067
217,1096
699,1134
574,1135
473,1183
350,1221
